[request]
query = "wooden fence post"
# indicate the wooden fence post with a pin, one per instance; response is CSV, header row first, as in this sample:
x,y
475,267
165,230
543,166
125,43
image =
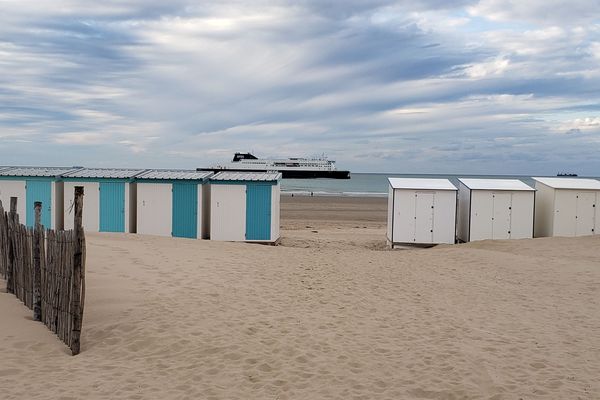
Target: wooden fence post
x,y
37,272
13,209
78,285
3,243
12,217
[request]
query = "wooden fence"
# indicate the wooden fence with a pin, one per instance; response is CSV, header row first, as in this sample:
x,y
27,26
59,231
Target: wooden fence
x,y
4,238
45,269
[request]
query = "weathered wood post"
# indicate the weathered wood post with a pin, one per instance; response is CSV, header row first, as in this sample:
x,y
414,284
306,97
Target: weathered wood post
x,y
13,209
4,255
78,287
12,220
37,271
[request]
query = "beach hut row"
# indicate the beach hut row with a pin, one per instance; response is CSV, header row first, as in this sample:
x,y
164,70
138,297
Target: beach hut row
x,y
432,211
228,206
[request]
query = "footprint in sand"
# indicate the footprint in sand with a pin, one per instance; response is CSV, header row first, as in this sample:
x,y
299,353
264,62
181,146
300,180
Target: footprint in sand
x,y
301,359
232,356
264,367
538,365
212,371
9,372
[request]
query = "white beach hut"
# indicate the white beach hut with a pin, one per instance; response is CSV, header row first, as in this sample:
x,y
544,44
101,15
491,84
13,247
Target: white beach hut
x,y
109,198
567,207
173,203
31,184
421,211
245,206
494,209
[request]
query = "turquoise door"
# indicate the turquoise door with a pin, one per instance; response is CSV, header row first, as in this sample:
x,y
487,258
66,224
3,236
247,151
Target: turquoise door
x,y
258,212
185,210
112,207
38,191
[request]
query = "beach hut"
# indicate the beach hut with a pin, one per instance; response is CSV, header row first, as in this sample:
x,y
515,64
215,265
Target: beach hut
x,y
567,207
245,206
109,198
173,203
494,209
421,211
31,184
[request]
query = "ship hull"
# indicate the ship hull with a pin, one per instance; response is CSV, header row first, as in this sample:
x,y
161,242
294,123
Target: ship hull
x,y
287,174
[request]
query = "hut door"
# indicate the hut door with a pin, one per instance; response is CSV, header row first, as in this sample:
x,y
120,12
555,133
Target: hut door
x,y
185,210
228,212
584,219
424,209
38,191
258,212
112,207
404,218
501,215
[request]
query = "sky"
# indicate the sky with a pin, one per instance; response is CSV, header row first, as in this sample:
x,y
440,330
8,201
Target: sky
x,y
430,86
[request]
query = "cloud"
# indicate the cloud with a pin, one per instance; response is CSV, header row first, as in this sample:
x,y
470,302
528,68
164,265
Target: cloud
x,y
495,66
423,86
545,12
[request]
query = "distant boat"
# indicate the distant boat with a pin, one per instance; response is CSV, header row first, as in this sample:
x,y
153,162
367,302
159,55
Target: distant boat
x,y
565,174
297,168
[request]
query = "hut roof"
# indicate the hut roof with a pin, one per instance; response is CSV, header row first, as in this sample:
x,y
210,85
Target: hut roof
x,y
246,176
421,184
174,174
570,183
496,184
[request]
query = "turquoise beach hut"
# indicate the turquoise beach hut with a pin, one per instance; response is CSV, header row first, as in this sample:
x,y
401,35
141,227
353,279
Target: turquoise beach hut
x,y
245,206
31,184
109,198
173,203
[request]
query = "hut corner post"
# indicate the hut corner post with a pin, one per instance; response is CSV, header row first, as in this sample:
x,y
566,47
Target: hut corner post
x,y
38,237
78,274
12,220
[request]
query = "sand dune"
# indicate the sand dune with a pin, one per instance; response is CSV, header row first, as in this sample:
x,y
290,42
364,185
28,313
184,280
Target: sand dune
x,y
329,314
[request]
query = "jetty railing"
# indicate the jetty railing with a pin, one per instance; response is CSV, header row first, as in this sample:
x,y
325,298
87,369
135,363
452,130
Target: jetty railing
x,y
45,269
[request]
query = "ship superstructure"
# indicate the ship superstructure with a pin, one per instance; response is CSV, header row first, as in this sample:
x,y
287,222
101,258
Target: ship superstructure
x,y
319,167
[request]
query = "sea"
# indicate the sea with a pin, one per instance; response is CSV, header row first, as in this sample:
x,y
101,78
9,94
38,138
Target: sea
x,y
370,185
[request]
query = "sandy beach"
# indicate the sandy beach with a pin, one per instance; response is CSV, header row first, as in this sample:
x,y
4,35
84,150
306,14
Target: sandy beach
x,y
330,313
351,212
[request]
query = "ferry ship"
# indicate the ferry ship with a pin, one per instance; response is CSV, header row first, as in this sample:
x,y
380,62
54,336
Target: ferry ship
x,y
293,168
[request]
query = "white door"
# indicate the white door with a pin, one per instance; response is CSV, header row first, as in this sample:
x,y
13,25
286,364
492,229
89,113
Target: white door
x,y
501,217
228,212
404,216
154,208
444,217
482,215
16,189
521,215
424,217
584,220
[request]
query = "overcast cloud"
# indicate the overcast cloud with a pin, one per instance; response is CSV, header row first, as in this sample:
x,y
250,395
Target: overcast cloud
x,y
429,86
